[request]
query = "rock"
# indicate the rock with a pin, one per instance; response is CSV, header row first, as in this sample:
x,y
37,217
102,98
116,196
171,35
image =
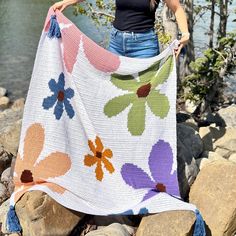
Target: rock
x,y
3,92
188,145
3,213
190,106
114,229
38,212
18,104
226,144
228,114
191,139
171,223
5,159
214,194
206,136
233,157
214,156
11,136
6,174
202,162
4,102
3,193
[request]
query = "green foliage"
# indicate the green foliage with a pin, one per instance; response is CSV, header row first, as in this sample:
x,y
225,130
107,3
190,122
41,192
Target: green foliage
x,y
207,71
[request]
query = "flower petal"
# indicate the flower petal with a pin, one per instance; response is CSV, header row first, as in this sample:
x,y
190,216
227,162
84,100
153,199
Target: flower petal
x,y
61,82
148,74
108,153
52,84
136,117
48,102
69,93
158,103
69,109
108,165
55,187
46,168
89,160
58,110
136,177
118,104
92,147
149,194
160,161
99,171
33,144
164,72
99,144
124,82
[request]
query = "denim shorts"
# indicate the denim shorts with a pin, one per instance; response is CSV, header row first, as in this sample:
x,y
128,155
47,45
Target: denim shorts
x,y
134,44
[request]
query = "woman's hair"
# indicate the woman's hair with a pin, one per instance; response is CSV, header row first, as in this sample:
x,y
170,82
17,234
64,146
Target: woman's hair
x,y
153,3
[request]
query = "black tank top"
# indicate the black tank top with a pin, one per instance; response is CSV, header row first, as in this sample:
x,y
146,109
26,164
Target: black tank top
x,y
134,15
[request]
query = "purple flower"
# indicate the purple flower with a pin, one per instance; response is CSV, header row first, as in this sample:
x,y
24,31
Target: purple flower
x,y
160,164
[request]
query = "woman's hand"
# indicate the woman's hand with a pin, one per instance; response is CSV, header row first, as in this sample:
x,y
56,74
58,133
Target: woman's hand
x,y
62,5
182,42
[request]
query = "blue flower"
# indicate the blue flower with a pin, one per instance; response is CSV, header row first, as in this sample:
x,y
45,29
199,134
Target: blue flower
x,y
60,97
142,211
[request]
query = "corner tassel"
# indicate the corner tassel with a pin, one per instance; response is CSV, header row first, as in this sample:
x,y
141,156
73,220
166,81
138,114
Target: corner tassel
x,y
54,29
12,221
199,227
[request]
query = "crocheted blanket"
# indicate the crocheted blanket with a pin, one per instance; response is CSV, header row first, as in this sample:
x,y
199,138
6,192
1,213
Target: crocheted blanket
x,y
99,130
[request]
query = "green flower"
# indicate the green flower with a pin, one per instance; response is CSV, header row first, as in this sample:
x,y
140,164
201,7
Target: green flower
x,y
140,93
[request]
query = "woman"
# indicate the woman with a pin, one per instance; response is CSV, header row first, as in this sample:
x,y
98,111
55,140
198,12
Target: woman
x,y
132,32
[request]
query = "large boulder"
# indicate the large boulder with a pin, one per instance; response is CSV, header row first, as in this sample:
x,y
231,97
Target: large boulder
x,y
38,212
214,193
189,147
171,223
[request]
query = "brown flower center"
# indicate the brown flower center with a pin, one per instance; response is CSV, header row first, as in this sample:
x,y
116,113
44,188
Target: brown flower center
x,y
60,96
161,187
144,90
99,154
26,176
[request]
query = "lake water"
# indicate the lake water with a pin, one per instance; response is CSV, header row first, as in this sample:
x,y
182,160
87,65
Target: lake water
x,y
21,23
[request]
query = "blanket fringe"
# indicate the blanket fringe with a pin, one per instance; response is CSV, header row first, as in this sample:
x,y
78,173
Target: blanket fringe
x,y
12,221
54,29
199,227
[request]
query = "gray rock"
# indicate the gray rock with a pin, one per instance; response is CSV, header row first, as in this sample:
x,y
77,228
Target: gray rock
x,y
3,192
5,159
3,92
228,114
186,151
4,102
6,175
114,229
3,213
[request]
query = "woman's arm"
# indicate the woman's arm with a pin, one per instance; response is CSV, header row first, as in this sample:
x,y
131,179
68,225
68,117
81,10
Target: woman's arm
x,y
62,5
181,19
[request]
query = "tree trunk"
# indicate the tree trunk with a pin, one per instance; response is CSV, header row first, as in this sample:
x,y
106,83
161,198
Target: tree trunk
x,y
211,33
190,55
223,4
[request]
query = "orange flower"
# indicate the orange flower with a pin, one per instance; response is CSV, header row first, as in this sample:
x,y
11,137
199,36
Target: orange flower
x,y
99,156
28,172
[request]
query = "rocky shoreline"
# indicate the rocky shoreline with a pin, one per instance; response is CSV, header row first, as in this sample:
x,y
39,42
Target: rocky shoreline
x,y
206,171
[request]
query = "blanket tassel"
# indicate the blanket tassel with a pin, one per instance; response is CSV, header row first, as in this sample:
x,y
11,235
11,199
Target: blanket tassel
x,y
12,222
54,29
199,227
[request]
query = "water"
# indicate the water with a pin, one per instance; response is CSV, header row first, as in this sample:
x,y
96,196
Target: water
x,y
21,23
